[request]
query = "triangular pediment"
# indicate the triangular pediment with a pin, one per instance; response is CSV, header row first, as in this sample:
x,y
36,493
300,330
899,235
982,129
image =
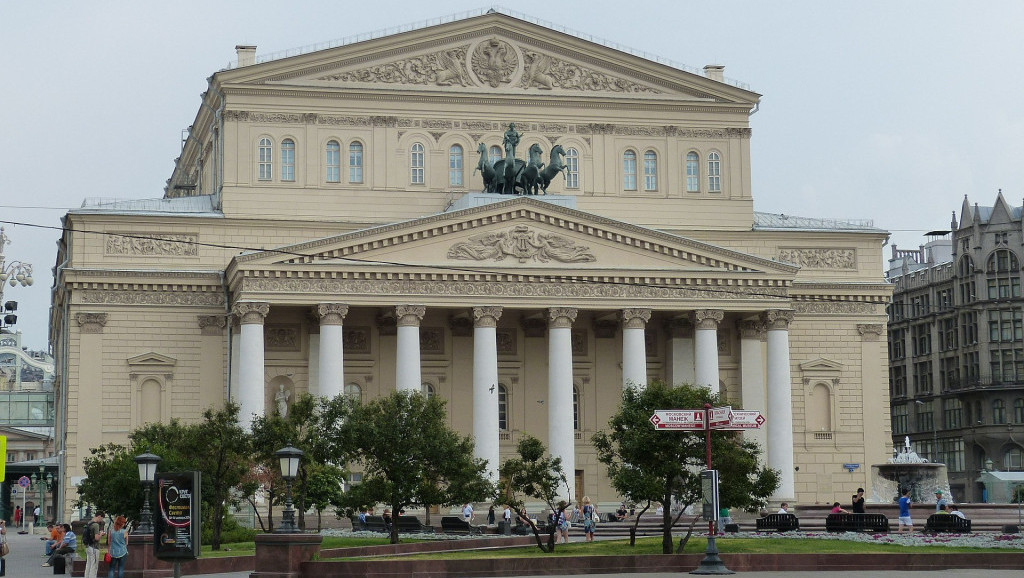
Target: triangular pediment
x,y
489,53
151,360
821,364
521,234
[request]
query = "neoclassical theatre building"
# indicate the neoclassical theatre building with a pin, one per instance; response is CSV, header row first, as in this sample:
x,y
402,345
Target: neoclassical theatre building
x,y
336,225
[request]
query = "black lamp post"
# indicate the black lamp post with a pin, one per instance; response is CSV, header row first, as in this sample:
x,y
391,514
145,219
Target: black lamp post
x,y
147,473
289,459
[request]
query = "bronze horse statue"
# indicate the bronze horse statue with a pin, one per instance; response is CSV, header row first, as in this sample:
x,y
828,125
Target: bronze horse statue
x,y
529,179
555,166
507,171
485,169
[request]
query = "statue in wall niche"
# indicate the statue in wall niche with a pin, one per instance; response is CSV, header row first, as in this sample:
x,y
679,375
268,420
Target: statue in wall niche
x,y
512,176
281,399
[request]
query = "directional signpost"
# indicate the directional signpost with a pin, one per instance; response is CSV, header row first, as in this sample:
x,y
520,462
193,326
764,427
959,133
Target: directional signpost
x,y
706,419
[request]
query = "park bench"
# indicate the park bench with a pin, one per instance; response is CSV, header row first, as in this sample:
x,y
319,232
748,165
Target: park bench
x,y
778,523
856,523
411,524
456,525
376,524
947,523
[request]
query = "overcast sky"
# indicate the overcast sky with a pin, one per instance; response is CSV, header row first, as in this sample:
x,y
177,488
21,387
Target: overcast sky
x,y
890,111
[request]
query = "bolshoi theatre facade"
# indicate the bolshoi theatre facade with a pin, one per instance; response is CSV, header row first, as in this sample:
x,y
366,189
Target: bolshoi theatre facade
x,y
336,224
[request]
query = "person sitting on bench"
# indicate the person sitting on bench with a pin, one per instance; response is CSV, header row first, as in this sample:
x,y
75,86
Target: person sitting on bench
x,y
68,545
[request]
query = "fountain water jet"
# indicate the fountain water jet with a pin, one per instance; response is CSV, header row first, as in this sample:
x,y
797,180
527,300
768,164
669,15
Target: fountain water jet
x,y
906,469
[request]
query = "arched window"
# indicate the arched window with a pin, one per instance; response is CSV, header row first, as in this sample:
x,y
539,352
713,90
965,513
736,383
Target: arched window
x,y
629,171
1012,459
287,160
416,163
266,160
355,162
650,171
354,392
692,172
333,161
1018,410
575,408
572,168
427,390
1003,272
714,173
819,409
998,412
455,166
494,154
502,408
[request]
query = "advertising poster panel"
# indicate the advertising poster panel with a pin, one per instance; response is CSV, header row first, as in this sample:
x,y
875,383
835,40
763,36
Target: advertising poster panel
x,y
176,529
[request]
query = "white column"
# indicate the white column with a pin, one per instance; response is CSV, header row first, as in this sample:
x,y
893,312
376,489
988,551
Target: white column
x,y
634,347
251,380
752,389
681,368
706,347
332,354
407,372
561,437
236,350
779,411
485,387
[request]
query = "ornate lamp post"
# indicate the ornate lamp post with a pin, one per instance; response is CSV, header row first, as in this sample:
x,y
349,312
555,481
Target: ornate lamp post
x,y
16,273
289,458
147,474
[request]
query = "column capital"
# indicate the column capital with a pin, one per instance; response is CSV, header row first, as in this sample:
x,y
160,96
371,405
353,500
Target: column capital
x,y
91,322
212,324
561,317
777,319
332,313
410,315
486,316
707,318
633,318
870,331
750,329
251,311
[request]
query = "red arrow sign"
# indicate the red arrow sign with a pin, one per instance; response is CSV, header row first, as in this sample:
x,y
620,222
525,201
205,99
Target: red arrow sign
x,y
744,419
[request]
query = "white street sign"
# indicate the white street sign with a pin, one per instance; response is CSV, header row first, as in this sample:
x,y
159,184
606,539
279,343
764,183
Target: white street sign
x,y
744,419
720,416
678,419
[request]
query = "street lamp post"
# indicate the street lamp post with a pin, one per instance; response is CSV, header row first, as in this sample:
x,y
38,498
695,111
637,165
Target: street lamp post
x,y
147,473
289,458
15,273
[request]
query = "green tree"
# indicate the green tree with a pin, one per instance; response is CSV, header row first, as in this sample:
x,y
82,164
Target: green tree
x,y
646,464
407,452
222,452
537,475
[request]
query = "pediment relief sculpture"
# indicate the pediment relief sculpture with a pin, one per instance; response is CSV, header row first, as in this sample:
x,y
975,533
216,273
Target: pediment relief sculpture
x,y
522,244
493,63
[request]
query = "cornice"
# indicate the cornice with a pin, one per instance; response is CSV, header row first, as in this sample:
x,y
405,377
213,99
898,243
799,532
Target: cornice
x,y
135,274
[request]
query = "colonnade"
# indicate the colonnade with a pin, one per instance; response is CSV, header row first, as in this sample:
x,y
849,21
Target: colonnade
x,y
691,358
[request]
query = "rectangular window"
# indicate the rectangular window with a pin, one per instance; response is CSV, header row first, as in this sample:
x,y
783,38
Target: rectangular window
x,y
650,171
692,173
952,414
947,334
899,419
951,453
969,329
629,171
923,378
950,374
922,335
923,418
455,166
897,344
333,162
266,160
898,379
714,173
355,162
572,169
416,164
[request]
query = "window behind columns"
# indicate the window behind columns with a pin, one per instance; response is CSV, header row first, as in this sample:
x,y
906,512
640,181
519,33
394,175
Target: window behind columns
x,y
819,409
354,392
428,390
502,408
575,408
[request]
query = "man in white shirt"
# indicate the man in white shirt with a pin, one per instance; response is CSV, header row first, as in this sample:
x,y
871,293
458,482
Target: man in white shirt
x,y
507,516
784,508
467,513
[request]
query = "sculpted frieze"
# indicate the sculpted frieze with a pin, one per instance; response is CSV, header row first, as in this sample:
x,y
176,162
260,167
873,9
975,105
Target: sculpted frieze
x,y
462,289
442,68
151,298
495,62
547,72
173,245
281,337
522,244
820,258
836,307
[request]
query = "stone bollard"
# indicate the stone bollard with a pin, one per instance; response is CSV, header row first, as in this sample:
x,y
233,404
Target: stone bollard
x,y
282,555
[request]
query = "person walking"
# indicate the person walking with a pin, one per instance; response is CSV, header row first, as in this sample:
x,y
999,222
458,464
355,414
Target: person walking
x,y
490,515
589,518
36,514
117,542
17,516
905,519
3,548
93,533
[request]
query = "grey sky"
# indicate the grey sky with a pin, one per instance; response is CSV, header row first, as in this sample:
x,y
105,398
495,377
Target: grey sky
x,y
890,111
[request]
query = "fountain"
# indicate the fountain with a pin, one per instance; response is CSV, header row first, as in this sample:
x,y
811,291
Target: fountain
x,y
907,470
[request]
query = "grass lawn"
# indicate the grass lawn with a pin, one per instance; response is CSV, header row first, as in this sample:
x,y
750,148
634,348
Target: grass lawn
x,y
652,546
249,548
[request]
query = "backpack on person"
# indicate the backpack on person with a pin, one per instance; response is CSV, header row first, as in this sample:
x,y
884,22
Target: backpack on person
x,y
89,537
